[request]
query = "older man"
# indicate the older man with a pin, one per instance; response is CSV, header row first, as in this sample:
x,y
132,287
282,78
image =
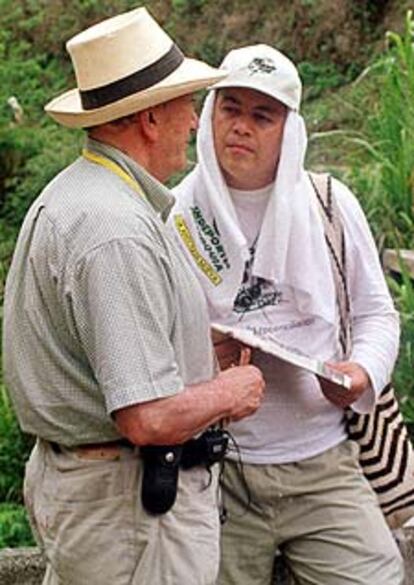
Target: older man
x,y
106,333
250,222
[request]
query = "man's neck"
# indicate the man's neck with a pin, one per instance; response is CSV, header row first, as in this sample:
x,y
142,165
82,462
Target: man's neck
x,y
250,183
124,142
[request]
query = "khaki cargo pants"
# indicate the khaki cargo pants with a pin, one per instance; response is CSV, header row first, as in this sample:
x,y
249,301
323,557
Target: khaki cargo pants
x,y
321,513
88,517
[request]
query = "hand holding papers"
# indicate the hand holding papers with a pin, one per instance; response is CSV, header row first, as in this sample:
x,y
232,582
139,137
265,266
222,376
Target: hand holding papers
x,y
246,337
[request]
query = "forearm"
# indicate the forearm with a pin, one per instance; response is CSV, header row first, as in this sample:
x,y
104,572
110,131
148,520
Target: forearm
x,y
233,394
176,418
375,346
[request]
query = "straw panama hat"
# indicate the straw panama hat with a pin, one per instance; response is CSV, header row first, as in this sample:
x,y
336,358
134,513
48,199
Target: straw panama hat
x,y
264,69
123,65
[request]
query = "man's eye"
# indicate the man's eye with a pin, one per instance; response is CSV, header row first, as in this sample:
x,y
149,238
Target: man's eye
x,y
262,119
229,110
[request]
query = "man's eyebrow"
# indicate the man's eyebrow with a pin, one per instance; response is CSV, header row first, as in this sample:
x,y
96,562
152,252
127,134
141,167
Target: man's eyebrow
x,y
267,109
264,108
230,98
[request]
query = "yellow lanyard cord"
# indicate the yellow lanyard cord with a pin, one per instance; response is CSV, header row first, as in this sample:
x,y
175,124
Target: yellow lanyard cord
x,y
110,165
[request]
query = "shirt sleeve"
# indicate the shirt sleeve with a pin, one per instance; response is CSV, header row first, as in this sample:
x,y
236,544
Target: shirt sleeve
x,y
375,322
124,310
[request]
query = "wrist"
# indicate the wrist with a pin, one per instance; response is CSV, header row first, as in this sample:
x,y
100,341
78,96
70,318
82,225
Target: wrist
x,y
225,395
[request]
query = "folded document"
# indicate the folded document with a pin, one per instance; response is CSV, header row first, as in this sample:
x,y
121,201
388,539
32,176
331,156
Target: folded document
x,y
287,354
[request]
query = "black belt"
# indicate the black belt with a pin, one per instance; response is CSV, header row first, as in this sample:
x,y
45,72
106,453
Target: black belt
x,y
207,449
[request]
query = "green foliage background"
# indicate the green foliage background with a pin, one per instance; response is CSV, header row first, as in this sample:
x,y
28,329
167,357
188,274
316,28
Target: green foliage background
x,y
358,104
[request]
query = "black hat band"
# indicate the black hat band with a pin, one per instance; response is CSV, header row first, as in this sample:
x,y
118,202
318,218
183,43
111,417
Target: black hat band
x,y
138,81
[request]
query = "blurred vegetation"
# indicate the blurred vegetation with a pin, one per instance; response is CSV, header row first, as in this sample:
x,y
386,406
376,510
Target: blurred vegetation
x,y
403,292
14,526
358,104
14,447
388,176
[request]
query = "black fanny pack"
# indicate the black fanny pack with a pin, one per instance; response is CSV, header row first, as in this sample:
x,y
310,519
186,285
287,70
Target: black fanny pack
x,y
162,463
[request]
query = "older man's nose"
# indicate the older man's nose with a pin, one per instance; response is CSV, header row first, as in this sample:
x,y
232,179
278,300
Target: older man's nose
x,y
194,121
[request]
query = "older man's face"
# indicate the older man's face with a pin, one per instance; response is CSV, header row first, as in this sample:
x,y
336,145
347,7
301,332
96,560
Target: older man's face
x,y
248,130
178,119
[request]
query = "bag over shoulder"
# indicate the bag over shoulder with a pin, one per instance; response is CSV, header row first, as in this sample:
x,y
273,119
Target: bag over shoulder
x,y
385,452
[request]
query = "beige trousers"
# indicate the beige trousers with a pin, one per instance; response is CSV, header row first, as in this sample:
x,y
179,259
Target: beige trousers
x,y
88,517
321,513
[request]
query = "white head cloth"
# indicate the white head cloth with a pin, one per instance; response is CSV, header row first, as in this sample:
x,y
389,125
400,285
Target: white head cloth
x,y
291,248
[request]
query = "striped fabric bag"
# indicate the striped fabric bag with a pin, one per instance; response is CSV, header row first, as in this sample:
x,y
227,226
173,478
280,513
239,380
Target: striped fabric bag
x,y
385,451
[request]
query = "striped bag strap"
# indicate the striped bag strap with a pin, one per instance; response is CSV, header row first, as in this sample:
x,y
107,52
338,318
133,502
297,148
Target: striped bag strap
x,y
335,240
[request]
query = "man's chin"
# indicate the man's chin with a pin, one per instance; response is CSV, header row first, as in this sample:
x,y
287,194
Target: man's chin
x,y
179,169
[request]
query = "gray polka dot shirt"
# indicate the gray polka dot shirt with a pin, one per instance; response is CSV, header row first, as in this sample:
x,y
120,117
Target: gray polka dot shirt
x,y
101,310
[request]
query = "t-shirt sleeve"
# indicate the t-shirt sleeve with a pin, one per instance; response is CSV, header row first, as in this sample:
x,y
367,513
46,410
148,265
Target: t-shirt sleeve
x,y
124,311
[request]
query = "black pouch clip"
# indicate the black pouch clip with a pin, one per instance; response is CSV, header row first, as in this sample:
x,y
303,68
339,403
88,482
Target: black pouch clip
x,y
160,477
207,449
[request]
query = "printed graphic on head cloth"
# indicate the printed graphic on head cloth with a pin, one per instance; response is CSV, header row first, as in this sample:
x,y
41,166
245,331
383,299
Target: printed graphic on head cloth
x,y
261,65
255,293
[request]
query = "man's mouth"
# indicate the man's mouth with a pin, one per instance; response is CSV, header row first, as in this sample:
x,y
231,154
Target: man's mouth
x,y
237,147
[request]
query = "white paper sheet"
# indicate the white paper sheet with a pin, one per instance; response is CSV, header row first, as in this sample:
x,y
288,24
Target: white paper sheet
x,y
284,353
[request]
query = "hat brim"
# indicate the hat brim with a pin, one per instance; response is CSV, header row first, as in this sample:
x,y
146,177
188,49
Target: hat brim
x,y
189,77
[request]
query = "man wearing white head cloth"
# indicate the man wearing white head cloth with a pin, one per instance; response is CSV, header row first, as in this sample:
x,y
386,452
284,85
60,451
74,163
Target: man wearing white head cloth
x,y
250,223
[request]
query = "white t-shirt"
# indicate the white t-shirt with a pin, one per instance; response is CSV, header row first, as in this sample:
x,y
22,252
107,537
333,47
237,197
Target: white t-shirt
x,y
250,207
295,420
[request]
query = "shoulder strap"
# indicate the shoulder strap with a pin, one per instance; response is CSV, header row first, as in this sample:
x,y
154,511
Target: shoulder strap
x,y
335,240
